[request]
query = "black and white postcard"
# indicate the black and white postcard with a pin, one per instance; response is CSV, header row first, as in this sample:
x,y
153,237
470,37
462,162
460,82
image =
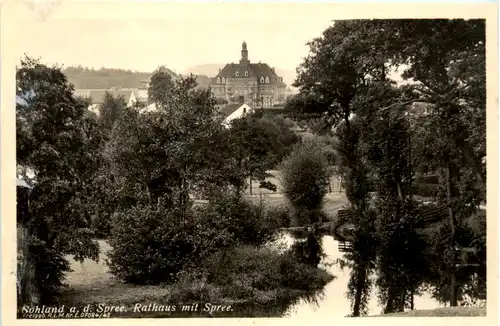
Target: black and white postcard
x,y
252,162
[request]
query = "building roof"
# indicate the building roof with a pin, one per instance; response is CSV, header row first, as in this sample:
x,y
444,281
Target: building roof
x,y
255,70
22,183
97,95
227,110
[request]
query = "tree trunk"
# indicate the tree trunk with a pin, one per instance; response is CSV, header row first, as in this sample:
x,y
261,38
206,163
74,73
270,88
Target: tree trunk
x,y
410,167
146,188
402,301
453,295
400,192
347,123
361,282
250,183
473,162
27,287
389,306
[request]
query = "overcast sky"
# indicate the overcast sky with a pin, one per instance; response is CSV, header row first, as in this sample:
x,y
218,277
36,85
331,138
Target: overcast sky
x,y
142,36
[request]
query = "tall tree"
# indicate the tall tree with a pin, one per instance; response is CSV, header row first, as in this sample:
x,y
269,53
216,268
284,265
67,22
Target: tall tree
x,y
60,144
172,152
332,80
254,149
110,109
445,61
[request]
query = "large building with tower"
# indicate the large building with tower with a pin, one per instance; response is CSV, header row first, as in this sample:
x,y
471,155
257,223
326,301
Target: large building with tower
x,y
255,84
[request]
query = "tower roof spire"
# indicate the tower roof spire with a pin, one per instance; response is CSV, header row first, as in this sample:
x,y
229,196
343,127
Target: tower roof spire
x,y
244,53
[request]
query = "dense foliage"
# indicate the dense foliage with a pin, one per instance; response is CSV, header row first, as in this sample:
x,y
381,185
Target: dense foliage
x,y
110,109
154,244
106,78
159,159
61,146
304,175
391,136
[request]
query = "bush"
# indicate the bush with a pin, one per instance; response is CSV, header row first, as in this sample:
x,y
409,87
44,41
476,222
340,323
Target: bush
x,y
282,136
246,271
309,251
153,245
281,215
248,223
221,101
305,174
101,225
425,189
301,276
256,266
433,179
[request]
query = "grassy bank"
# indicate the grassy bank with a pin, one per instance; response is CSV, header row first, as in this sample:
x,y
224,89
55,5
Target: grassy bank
x,y
247,283
441,312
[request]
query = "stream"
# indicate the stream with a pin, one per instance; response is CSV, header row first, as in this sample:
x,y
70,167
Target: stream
x,y
334,302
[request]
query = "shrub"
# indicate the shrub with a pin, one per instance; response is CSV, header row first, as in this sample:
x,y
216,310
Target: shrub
x,y
309,251
298,275
101,225
151,245
433,179
280,214
247,222
425,189
256,266
281,135
221,101
246,271
305,174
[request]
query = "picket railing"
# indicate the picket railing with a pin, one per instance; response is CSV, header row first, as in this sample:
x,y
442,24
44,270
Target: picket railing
x,y
345,246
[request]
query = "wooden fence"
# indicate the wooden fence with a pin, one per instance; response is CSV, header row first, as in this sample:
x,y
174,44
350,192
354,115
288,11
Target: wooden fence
x,y
345,246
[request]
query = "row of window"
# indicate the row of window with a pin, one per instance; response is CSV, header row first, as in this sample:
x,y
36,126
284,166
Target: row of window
x,y
243,89
261,79
238,73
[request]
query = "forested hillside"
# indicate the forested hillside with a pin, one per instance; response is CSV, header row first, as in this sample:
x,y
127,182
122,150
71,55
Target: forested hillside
x,y
104,78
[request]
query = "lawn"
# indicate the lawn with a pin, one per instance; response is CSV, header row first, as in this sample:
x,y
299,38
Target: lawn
x,y
333,201
275,179
441,312
90,283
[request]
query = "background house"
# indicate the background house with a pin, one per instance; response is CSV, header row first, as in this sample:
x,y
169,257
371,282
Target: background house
x,y
96,96
235,111
256,84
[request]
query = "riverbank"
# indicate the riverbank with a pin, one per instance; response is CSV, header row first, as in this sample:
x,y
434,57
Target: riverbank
x,y
441,312
256,282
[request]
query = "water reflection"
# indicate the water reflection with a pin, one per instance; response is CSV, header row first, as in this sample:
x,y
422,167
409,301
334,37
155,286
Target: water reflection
x,y
332,302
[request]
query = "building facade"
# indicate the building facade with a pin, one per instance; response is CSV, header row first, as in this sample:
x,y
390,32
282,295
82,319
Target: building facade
x,y
256,84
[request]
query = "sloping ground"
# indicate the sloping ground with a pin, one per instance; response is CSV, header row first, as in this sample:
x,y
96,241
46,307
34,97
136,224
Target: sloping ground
x,y
441,312
275,178
90,283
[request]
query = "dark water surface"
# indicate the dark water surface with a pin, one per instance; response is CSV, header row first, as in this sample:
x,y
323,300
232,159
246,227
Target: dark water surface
x,y
333,302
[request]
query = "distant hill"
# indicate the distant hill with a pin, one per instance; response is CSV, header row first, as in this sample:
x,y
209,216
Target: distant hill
x,y
211,69
104,78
